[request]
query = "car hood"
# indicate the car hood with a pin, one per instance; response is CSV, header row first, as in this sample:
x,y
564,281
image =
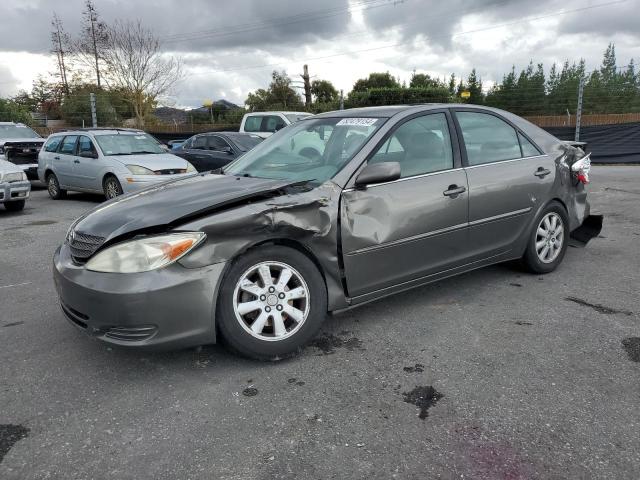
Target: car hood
x,y
8,167
22,140
156,161
172,203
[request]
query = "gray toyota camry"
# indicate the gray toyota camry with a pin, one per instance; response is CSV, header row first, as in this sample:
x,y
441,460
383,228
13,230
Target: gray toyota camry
x,y
257,254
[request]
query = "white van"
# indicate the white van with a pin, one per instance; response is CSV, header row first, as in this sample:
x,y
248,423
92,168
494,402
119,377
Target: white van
x,y
265,124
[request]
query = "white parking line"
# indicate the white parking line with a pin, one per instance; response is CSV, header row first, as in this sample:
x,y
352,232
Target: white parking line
x,y
15,285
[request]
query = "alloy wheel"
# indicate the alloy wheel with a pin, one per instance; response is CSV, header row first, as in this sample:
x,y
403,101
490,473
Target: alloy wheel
x,y
112,189
52,186
271,301
549,237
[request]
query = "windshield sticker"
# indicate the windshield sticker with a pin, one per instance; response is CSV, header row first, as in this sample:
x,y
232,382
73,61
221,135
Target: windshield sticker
x,y
358,122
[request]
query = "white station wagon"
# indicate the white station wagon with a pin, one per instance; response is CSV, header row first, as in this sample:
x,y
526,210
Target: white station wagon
x,y
109,161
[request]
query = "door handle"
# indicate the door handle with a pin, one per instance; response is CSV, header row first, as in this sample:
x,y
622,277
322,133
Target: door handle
x,y
56,158
542,172
454,191
76,161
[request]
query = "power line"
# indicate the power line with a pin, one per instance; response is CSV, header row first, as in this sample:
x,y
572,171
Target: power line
x,y
371,49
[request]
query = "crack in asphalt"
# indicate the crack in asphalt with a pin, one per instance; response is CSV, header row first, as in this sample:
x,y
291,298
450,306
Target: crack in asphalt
x,y
598,307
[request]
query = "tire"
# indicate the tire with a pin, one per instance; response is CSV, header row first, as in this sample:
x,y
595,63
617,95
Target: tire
x,y
301,316
53,187
14,206
543,255
111,187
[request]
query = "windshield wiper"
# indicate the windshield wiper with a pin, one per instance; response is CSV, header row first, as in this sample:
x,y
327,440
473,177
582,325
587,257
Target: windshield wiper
x,y
143,151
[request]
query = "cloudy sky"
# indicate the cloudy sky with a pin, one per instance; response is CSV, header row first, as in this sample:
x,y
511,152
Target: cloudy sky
x,y
229,48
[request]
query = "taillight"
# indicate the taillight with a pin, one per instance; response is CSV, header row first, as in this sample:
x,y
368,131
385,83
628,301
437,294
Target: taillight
x,y
581,169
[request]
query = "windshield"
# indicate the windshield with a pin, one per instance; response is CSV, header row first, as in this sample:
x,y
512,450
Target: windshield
x,y
128,144
296,117
311,150
246,142
17,131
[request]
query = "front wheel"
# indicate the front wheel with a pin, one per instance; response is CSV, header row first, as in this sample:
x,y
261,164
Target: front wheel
x,y
272,302
548,241
111,187
14,206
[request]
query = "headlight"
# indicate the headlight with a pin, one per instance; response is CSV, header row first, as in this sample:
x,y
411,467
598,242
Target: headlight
x,y
138,170
144,254
24,176
191,168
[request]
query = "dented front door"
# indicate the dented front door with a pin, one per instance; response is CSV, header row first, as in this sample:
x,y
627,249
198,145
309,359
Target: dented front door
x,y
403,230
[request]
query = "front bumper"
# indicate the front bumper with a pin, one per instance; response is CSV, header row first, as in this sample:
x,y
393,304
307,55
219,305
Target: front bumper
x,y
133,183
31,170
172,307
12,191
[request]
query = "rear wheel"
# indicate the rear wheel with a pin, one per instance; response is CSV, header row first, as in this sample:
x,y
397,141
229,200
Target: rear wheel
x,y
111,187
272,302
53,187
14,206
548,241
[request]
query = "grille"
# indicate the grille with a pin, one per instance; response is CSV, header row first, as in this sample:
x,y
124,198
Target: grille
x,y
170,171
83,246
131,334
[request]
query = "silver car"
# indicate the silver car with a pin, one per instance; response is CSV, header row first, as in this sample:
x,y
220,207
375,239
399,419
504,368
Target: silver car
x,y
108,161
14,186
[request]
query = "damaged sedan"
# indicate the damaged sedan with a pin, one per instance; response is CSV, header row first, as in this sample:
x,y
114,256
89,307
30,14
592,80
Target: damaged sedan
x,y
257,254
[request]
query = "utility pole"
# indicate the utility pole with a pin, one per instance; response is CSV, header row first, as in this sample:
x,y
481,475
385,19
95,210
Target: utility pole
x,y
94,117
307,86
93,18
579,109
341,99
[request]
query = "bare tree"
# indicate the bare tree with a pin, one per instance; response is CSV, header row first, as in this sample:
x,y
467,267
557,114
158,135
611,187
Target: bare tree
x,y
136,66
93,40
60,47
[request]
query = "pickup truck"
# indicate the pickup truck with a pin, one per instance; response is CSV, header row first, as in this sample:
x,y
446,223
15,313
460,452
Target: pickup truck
x,y
20,145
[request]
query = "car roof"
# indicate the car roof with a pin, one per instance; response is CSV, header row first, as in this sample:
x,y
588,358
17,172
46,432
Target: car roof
x,y
391,110
99,131
278,113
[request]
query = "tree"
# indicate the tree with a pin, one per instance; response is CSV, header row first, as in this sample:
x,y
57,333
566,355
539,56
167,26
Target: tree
x,y
474,86
376,80
60,46
135,65
279,95
324,91
423,80
93,41
10,111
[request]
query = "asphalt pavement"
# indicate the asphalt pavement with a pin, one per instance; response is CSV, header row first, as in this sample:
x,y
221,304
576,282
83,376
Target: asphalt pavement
x,y
496,374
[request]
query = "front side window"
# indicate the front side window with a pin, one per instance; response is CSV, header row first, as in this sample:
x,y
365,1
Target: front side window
x,y
128,144
420,145
85,145
487,138
52,144
68,146
311,150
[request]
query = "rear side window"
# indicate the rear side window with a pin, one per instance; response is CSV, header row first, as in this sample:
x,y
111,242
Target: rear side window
x,y
272,123
420,145
487,138
69,145
199,143
52,144
216,143
528,149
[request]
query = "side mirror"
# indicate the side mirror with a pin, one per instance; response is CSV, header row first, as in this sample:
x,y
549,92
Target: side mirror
x,y
378,173
88,155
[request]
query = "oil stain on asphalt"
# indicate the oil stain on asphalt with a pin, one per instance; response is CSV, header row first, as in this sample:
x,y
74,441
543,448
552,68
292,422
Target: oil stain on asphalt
x,y
250,392
329,342
424,398
9,435
417,368
598,307
632,346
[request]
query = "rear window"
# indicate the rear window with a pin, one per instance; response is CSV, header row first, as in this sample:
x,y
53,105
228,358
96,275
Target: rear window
x,y
17,131
252,124
246,142
52,144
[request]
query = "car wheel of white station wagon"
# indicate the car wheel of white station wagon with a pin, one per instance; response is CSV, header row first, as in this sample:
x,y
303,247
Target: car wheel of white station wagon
x,y
271,303
548,241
